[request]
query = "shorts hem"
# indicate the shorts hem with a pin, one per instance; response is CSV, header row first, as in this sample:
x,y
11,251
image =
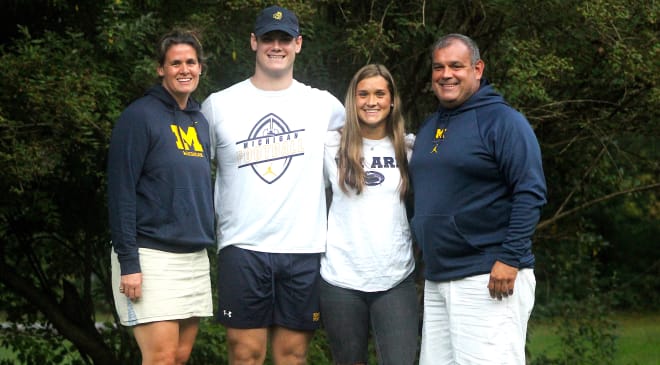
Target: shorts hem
x,y
298,327
256,326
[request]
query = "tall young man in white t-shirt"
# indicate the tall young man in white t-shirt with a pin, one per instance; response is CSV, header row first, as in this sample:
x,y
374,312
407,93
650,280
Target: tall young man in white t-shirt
x,y
267,135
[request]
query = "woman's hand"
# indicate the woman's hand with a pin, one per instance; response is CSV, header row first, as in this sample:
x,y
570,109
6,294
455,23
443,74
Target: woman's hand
x,y
131,286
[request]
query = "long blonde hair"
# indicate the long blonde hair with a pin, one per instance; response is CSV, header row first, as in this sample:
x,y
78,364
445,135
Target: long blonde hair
x,y
349,156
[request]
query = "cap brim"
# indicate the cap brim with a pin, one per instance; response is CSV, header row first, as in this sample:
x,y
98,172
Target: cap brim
x,y
265,30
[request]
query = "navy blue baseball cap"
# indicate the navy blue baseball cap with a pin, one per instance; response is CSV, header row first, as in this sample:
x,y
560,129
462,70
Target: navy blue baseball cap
x,y
276,18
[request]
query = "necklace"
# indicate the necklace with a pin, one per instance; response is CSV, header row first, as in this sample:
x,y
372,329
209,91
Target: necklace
x,y
373,143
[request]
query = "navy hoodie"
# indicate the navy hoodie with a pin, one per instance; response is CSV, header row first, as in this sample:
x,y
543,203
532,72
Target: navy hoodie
x,y
159,179
479,187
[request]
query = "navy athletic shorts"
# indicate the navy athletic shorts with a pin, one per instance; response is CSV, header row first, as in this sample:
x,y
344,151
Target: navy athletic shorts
x,y
261,289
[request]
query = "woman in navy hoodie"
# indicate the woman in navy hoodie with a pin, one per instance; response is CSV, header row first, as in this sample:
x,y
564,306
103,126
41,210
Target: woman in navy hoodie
x,y
160,208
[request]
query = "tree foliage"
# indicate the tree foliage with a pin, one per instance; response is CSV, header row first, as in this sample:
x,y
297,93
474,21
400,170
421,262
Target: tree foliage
x,y
584,73
56,114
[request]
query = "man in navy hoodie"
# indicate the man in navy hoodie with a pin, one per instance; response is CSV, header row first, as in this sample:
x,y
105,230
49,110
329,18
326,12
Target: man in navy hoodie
x,y
479,187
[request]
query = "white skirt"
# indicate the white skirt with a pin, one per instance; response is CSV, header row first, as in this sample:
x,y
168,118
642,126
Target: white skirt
x,y
174,286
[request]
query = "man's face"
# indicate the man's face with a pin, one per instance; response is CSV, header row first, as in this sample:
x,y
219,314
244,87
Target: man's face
x,y
276,52
454,77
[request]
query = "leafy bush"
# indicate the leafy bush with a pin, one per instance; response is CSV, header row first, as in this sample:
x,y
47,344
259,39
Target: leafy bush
x,y
570,291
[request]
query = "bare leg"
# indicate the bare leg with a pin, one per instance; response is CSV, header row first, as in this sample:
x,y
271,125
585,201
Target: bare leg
x,y
188,329
247,346
290,346
158,342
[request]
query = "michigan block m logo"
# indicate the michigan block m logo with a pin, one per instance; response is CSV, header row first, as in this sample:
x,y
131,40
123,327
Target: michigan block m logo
x,y
187,141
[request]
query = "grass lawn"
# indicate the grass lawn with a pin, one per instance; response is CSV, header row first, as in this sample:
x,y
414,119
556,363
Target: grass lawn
x,y
6,354
638,341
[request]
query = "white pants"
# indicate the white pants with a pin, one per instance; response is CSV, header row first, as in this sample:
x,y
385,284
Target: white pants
x,y
464,325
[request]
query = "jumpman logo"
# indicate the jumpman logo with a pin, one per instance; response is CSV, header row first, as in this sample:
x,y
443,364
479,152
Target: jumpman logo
x,y
269,171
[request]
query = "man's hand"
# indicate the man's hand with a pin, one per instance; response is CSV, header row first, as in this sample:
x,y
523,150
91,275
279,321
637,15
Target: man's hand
x,y
502,280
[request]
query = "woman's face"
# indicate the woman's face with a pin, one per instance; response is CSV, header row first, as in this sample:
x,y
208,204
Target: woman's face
x,y
180,72
373,101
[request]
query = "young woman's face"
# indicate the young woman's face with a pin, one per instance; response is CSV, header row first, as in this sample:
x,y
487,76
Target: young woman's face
x,y
373,101
180,71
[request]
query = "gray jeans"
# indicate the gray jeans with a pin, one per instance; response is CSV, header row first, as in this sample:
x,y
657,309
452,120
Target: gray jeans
x,y
392,315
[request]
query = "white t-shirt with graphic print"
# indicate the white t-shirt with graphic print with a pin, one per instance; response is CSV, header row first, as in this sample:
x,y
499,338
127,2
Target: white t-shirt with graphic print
x,y
268,148
369,245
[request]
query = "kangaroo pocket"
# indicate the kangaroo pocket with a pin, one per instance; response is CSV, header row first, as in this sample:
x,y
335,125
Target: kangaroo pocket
x,y
176,215
190,215
486,226
439,235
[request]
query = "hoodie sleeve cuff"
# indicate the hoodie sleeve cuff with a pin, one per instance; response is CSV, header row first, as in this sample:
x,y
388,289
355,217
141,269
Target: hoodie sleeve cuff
x,y
130,266
509,260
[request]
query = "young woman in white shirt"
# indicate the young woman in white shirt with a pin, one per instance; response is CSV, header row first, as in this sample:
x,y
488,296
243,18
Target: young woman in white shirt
x,y
367,269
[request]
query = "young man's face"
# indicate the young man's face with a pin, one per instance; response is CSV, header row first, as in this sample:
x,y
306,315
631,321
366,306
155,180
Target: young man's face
x,y
454,77
276,52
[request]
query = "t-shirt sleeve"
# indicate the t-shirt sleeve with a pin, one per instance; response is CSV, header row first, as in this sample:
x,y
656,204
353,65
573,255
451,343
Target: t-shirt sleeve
x,y
337,114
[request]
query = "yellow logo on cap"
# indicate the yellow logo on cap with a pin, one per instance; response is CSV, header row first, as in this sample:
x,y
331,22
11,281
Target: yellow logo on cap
x,y
278,15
